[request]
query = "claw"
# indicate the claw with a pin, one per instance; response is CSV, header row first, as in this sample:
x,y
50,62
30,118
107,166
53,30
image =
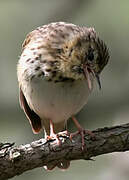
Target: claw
x,y
53,136
82,132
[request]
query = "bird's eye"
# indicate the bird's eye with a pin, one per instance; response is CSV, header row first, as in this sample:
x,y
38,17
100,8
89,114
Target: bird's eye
x,y
90,54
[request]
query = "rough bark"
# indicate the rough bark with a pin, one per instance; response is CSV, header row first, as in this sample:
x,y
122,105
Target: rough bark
x,y
14,160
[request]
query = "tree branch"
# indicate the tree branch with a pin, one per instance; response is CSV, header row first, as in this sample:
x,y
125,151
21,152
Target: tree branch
x,y
16,160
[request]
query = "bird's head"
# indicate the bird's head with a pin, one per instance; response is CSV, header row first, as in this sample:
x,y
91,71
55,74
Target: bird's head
x,y
83,56
69,52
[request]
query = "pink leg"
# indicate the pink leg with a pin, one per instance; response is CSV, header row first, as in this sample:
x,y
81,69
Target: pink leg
x,y
81,131
53,135
64,164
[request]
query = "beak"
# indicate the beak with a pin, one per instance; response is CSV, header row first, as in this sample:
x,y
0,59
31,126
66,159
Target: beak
x,y
87,76
98,80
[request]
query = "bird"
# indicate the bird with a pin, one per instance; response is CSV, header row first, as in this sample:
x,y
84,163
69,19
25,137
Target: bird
x,y
56,71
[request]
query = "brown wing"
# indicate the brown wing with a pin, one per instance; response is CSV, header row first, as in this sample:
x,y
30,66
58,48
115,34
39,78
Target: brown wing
x,y
34,119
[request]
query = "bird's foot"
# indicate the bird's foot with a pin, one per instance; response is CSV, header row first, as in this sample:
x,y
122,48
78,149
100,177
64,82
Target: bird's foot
x,y
64,134
62,164
82,133
54,137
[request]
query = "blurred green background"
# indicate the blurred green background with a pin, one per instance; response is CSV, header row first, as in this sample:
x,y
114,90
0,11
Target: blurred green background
x,y
105,108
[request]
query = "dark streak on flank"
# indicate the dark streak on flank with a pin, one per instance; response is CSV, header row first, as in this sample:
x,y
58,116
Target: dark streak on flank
x,y
48,70
37,58
37,68
41,74
28,59
64,79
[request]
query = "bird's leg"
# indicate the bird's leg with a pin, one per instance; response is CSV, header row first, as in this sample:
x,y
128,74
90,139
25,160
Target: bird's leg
x,y
81,131
53,135
63,164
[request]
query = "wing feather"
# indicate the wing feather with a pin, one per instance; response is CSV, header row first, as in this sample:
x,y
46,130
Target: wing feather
x,y
34,119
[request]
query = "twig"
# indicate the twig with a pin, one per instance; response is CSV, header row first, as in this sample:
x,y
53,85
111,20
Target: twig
x,y
16,160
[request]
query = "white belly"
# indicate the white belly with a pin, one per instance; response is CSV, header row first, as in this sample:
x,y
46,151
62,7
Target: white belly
x,y
56,101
